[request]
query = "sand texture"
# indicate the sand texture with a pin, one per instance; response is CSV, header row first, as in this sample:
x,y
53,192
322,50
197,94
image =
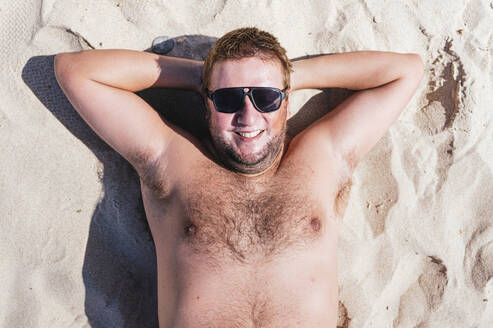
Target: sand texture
x,y
416,247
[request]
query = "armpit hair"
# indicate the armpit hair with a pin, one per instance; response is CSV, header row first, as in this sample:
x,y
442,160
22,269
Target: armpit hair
x,y
152,172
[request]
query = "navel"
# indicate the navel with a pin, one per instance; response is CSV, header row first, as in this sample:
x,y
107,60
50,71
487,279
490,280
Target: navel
x,y
315,223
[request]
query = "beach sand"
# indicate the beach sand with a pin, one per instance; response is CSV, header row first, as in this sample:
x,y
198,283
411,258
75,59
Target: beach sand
x,y
416,246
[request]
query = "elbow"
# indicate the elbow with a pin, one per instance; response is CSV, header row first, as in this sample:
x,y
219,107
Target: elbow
x,y
65,63
412,68
61,64
416,66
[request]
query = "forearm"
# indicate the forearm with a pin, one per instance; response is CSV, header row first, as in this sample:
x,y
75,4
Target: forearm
x,y
353,70
131,70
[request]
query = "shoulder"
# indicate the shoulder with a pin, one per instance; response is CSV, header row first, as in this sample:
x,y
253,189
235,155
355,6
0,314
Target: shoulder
x,y
314,148
330,170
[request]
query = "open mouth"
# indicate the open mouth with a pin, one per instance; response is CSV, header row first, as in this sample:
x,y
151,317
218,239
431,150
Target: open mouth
x,y
251,134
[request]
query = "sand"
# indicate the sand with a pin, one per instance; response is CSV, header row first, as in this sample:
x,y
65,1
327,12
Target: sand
x,y
416,247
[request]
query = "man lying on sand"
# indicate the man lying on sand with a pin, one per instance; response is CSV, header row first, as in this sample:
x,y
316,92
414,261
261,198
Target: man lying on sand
x,y
245,222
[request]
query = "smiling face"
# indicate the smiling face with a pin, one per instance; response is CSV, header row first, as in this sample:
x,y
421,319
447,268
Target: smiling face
x,y
247,154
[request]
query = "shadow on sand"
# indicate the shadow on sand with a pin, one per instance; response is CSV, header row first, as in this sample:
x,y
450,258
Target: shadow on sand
x,y
119,269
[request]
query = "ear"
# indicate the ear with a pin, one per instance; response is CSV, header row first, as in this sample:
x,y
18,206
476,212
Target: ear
x,y
286,100
207,110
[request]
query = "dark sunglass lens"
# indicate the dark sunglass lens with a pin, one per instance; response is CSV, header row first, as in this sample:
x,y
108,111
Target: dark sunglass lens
x,y
228,100
267,100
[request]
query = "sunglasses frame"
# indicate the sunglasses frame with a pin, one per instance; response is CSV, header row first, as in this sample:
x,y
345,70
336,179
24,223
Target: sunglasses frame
x,y
210,95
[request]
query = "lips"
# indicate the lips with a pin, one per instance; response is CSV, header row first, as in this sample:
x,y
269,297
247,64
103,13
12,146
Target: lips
x,y
249,134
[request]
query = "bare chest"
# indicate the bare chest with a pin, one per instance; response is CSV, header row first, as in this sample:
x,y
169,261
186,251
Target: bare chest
x,y
246,221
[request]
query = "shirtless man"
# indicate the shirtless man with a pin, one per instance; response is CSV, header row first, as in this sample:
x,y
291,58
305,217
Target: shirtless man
x,y
245,222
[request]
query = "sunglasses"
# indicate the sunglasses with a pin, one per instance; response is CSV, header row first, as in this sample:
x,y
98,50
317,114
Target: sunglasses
x,y
230,100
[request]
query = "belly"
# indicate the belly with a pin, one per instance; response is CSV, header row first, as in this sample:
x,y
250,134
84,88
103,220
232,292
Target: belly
x,y
236,257
295,289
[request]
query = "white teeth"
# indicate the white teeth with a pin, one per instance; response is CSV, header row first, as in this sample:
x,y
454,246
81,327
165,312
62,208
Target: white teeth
x,y
250,134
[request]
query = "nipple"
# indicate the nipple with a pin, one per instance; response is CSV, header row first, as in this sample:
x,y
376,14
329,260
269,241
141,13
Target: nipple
x,y
190,229
315,224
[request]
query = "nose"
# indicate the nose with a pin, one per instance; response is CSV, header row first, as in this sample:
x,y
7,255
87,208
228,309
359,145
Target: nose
x,y
247,115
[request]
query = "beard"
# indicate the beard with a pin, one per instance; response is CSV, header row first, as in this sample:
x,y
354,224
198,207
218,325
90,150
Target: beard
x,y
249,163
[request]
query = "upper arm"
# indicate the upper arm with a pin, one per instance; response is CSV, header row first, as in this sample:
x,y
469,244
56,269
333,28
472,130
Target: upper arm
x,y
120,117
356,125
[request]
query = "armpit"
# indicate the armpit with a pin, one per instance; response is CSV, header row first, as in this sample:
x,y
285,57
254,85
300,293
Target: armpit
x,y
153,173
342,197
351,161
142,161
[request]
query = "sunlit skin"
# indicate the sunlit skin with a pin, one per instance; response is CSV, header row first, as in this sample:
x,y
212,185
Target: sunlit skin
x,y
232,250
245,156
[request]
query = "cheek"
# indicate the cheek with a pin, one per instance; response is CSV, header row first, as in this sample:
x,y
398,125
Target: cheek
x,y
220,122
278,121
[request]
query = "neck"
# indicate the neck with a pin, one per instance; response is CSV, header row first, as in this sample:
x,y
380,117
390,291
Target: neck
x,y
268,171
